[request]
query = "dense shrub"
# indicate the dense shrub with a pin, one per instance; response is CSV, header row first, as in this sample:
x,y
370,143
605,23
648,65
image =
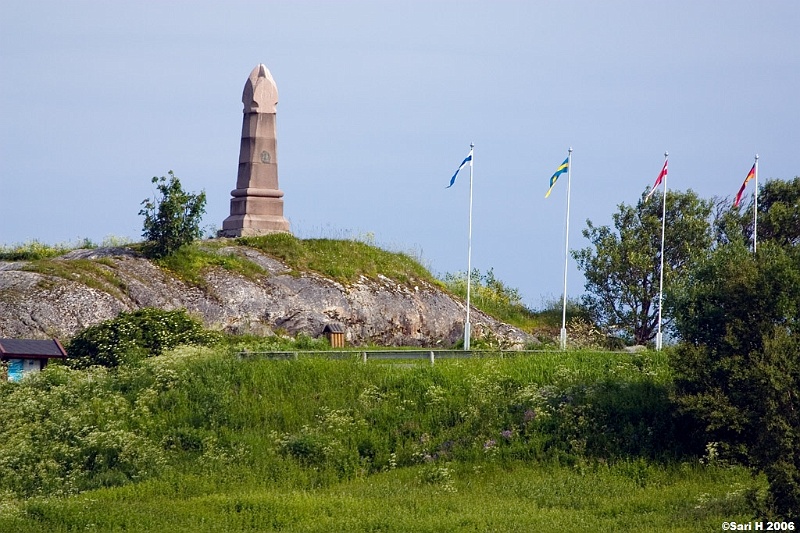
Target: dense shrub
x,y
133,336
172,219
737,370
493,297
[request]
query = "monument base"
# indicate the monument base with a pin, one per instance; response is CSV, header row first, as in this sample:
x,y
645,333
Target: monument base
x,y
247,232
253,225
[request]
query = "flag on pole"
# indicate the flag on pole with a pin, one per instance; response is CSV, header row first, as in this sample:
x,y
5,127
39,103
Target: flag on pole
x,y
659,179
466,160
750,175
560,170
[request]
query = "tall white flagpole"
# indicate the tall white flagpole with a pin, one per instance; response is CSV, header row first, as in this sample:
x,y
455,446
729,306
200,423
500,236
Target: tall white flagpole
x,y
467,325
755,210
566,255
659,338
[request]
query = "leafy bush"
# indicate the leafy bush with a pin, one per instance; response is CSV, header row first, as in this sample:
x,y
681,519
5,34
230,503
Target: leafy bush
x,y
583,334
552,309
485,288
132,336
173,219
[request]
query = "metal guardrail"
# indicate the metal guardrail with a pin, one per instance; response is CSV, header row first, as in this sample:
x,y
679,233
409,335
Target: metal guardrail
x,y
378,355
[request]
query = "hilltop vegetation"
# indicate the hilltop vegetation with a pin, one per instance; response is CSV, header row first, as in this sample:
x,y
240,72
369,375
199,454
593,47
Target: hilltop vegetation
x,y
342,260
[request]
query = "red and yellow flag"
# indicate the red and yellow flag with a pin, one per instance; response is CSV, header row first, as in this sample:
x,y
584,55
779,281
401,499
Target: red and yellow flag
x,y
750,175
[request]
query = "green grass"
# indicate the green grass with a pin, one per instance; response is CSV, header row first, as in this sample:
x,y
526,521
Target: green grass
x,y
191,261
345,261
504,303
33,250
201,440
342,260
514,497
98,274
187,264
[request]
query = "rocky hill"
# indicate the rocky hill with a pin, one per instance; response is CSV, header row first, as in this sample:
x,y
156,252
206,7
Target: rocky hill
x,y
39,301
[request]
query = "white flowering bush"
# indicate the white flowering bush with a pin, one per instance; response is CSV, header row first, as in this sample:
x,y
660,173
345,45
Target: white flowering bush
x,y
66,431
132,336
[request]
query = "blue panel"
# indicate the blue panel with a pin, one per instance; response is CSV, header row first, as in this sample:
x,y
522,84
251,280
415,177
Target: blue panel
x,y
15,369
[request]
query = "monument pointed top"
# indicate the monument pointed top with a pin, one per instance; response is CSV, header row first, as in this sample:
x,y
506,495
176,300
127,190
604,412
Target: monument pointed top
x,y
260,93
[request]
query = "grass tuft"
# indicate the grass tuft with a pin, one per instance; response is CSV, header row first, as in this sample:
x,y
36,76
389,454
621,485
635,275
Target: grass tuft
x,y
33,250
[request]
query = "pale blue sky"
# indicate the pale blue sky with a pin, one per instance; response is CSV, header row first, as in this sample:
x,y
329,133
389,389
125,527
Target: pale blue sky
x,y
378,104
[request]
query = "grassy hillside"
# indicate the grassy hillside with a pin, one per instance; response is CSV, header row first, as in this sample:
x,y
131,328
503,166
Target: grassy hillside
x,y
201,440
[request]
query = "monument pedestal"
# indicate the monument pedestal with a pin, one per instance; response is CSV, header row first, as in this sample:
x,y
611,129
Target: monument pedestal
x,y
252,215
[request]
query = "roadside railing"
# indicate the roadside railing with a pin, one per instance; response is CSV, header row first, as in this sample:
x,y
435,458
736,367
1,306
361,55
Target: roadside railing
x,y
383,355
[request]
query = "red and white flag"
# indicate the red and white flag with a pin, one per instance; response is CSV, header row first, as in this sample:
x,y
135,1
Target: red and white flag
x,y
659,179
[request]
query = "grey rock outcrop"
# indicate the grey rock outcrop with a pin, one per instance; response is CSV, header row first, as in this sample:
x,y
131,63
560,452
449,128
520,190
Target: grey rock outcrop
x,y
38,304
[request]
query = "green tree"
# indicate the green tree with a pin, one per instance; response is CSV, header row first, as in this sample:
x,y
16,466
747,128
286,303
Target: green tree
x,y
622,264
737,370
172,219
779,212
778,215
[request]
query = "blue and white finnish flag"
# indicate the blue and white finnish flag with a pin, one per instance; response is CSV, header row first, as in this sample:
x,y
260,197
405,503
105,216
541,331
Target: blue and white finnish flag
x,y
466,160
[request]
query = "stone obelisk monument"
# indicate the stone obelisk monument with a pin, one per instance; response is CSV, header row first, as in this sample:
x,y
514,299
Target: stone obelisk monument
x,y
257,203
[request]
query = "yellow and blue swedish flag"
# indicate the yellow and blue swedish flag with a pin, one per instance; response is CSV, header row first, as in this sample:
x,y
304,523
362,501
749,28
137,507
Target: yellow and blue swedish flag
x,y
560,170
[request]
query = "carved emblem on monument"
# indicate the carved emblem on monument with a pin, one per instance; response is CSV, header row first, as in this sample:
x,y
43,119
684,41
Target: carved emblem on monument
x,y
257,203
